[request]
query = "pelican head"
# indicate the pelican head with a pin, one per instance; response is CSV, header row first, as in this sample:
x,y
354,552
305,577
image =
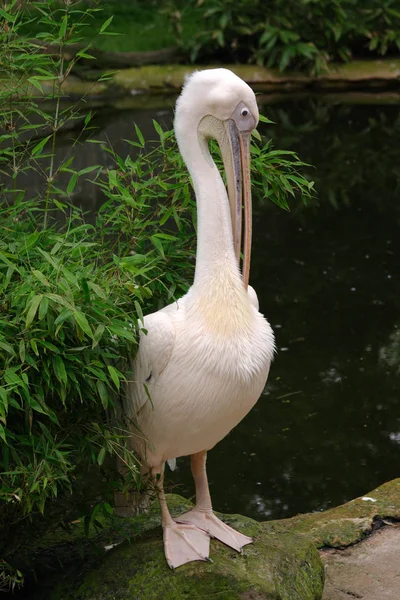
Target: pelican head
x,y
217,104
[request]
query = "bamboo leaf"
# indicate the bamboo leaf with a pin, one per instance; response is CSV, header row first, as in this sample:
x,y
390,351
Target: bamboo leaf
x,y
59,369
7,16
34,346
115,375
72,183
36,84
3,434
106,24
34,305
101,456
83,323
43,308
104,397
37,150
22,351
98,334
140,136
139,311
39,275
9,349
63,26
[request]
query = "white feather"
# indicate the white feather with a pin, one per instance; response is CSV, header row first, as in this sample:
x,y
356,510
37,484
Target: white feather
x,y
205,359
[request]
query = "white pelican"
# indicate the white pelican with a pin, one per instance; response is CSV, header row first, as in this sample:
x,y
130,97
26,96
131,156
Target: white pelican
x,y
205,358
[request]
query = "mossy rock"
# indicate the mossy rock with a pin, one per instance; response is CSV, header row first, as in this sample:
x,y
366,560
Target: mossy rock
x,y
274,567
346,524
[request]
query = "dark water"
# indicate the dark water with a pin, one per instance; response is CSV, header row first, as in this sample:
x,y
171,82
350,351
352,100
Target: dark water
x,y
327,428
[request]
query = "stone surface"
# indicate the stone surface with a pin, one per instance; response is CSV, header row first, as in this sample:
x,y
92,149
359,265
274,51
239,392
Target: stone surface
x,y
359,542
171,77
369,570
345,524
284,567
167,79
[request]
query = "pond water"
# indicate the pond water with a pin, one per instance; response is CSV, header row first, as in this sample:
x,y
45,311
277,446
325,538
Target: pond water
x,y
327,427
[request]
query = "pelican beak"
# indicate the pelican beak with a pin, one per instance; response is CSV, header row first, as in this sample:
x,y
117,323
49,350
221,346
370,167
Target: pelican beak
x,y
244,139
237,168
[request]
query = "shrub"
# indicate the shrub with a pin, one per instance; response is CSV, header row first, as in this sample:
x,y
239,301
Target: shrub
x,y
305,34
73,294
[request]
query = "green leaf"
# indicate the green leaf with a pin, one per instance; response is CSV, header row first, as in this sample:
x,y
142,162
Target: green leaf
x,y
22,351
264,119
65,314
122,332
140,136
89,169
34,305
159,130
9,349
158,245
98,334
83,54
104,397
139,311
34,347
37,150
112,178
72,183
59,369
106,24
4,398
12,378
83,323
115,375
97,290
101,456
36,84
3,434
43,308
7,16
60,300
39,275
63,26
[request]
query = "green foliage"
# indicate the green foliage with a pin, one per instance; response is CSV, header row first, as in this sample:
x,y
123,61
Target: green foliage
x,y
69,308
132,26
73,293
290,33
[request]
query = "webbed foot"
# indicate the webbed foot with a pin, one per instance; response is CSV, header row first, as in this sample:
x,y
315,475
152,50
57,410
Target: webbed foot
x,y
208,522
184,542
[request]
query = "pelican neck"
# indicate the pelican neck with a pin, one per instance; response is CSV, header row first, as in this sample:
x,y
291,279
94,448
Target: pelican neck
x,y
215,250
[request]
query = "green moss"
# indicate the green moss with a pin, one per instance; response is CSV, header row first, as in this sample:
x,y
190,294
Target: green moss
x,y
284,567
346,524
171,77
168,79
282,563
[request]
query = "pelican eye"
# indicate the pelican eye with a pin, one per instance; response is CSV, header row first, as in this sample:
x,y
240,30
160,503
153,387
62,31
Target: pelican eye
x,y
244,112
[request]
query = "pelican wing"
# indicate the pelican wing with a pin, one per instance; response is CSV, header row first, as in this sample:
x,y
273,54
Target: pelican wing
x,y
156,343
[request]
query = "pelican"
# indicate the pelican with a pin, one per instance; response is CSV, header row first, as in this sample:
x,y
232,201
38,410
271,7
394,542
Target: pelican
x,y
203,360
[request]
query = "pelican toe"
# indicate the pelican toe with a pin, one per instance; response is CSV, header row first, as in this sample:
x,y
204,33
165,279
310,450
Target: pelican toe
x,y
184,543
216,528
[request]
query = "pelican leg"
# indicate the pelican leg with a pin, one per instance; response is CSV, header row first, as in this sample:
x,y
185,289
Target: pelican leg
x,y
202,515
183,542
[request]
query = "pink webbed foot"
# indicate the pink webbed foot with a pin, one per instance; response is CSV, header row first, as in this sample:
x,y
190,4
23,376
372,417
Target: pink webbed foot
x,y
184,543
216,528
